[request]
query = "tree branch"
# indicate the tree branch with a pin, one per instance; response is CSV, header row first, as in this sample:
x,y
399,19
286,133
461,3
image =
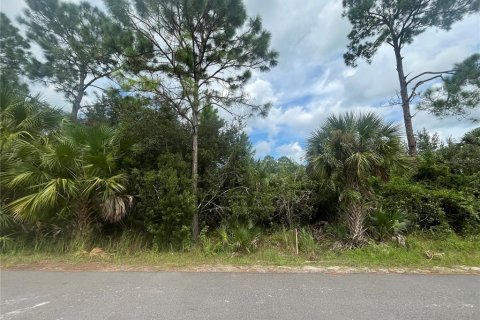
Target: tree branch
x,y
430,73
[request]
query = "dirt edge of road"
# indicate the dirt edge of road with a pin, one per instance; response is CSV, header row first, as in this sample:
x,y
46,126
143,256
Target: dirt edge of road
x,y
108,267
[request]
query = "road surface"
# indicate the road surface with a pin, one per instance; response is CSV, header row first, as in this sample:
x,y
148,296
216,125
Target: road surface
x,y
118,295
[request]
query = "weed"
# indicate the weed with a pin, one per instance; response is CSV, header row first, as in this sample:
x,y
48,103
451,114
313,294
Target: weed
x,y
274,249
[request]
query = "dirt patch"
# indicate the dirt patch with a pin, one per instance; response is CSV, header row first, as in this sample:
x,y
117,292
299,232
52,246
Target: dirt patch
x,y
109,267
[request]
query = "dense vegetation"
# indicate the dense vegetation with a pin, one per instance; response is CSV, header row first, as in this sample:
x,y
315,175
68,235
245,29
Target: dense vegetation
x,y
153,162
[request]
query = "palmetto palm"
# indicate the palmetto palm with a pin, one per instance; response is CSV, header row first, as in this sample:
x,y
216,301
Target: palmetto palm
x,y
24,118
346,152
74,171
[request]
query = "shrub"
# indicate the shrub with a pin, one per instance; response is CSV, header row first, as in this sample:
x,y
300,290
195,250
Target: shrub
x,y
284,239
384,224
244,237
238,237
165,203
427,208
209,245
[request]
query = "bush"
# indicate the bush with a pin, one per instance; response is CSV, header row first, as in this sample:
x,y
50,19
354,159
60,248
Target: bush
x,y
241,237
235,237
165,203
427,208
384,224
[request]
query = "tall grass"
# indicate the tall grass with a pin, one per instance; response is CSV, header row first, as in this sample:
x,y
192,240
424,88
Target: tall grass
x,y
284,240
125,243
224,246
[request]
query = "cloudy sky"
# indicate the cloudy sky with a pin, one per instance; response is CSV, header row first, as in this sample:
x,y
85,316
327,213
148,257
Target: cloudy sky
x,y
312,81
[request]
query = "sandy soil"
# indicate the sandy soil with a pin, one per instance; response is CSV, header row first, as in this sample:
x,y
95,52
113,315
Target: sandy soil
x,y
110,267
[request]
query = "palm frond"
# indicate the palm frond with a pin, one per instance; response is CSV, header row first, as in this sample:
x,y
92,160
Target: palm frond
x,y
351,147
114,208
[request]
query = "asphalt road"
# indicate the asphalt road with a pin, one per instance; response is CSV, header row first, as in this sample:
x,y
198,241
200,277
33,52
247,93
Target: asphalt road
x,y
235,296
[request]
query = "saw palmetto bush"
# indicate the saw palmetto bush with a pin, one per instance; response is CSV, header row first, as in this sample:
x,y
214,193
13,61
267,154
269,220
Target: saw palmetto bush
x,y
25,118
345,153
73,173
385,224
239,237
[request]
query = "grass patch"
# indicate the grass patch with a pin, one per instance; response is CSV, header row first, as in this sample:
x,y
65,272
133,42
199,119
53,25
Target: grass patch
x,y
421,251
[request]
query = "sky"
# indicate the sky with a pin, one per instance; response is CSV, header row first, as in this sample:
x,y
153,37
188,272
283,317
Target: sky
x,y
311,81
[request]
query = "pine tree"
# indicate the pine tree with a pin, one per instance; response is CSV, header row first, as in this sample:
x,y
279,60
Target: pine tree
x,y
196,54
80,44
397,23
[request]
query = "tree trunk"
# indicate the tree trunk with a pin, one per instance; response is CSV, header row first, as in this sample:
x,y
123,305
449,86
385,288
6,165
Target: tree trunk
x,y
83,212
76,107
407,117
356,214
195,108
77,102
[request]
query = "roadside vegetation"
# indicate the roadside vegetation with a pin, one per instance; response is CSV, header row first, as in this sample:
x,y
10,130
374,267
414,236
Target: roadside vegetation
x,y
151,174
422,252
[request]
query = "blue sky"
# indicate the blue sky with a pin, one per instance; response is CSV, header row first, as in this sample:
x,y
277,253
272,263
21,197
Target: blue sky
x,y
311,80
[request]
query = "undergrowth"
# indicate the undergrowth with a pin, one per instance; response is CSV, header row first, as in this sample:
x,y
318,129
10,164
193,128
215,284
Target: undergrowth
x,y
248,248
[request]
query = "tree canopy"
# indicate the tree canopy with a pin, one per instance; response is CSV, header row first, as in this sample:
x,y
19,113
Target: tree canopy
x,y
80,45
195,54
397,23
14,55
458,93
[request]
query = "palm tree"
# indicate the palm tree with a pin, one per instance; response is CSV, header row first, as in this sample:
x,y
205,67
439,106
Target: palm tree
x,y
73,172
346,152
23,117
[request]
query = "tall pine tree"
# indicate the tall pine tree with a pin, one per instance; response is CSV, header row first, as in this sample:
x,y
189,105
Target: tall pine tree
x,y
397,23
80,44
198,53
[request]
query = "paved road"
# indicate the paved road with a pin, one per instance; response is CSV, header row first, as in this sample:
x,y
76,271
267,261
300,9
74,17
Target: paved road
x,y
97,295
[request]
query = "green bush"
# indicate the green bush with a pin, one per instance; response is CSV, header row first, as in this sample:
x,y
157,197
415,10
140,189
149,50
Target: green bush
x,y
209,244
284,239
384,224
428,208
244,237
337,231
165,203
233,237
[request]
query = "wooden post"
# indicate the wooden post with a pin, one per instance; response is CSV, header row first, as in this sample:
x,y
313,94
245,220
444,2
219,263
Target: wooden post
x,y
296,241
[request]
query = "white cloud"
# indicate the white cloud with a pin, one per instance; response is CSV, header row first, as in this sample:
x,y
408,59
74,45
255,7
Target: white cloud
x,y
12,8
261,91
262,148
328,33
450,127
349,72
301,120
48,94
306,34
292,150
